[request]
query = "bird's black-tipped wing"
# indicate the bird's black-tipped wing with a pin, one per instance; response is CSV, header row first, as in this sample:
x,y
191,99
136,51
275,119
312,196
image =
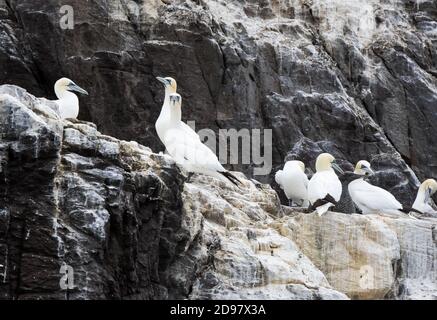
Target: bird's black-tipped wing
x,y
231,177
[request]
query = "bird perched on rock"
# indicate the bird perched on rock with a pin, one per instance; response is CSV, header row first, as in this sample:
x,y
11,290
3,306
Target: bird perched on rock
x,y
293,180
371,199
187,149
423,199
324,188
163,122
67,101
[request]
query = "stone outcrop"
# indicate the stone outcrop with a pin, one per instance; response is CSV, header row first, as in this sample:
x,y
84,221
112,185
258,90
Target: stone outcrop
x,y
370,257
131,226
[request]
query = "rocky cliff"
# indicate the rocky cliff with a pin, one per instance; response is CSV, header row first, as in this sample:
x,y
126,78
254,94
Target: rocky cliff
x,y
130,226
354,78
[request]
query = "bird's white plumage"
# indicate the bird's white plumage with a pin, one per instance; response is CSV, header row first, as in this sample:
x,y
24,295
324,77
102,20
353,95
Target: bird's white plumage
x,y
162,124
68,104
278,178
293,180
371,199
423,198
324,182
67,101
424,207
186,148
189,152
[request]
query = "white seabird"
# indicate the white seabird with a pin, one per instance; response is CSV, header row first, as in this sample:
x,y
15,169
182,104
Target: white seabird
x,y
67,101
426,191
163,122
324,188
293,180
187,150
371,199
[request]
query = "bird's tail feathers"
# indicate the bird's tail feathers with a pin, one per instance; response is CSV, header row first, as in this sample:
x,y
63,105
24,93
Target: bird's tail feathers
x,y
324,204
231,177
407,210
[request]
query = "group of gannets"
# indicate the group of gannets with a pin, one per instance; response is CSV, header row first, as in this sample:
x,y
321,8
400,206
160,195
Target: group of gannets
x,y
319,194
182,142
324,189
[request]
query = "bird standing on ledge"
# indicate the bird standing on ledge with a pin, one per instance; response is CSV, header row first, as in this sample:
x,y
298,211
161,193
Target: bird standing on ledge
x,y
324,188
67,101
372,199
187,149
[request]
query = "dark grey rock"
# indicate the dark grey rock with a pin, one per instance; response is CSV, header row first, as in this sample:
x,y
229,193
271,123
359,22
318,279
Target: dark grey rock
x,y
70,195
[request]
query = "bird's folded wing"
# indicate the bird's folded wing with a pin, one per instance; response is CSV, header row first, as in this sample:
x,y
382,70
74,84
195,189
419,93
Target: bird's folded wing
x,y
316,188
278,177
184,149
376,198
189,131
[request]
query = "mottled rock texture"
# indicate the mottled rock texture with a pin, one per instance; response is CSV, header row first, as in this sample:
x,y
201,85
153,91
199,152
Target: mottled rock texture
x,y
355,78
131,226
371,257
70,195
123,219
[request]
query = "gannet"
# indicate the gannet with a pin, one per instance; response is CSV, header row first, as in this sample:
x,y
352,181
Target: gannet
x,y
324,188
293,180
371,199
188,151
426,191
163,122
67,101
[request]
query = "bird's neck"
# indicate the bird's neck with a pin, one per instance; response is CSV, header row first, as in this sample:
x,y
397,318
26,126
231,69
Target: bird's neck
x,y
325,169
175,115
168,92
359,180
421,196
64,94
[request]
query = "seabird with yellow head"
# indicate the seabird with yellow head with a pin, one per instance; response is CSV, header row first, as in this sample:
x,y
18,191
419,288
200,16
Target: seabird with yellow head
x,y
67,101
163,122
187,150
324,188
371,199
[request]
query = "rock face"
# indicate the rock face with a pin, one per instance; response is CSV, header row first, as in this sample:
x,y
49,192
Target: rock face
x,y
129,226
371,257
355,78
71,196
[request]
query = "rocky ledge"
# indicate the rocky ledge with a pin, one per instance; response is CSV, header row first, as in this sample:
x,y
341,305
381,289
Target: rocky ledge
x,y
131,227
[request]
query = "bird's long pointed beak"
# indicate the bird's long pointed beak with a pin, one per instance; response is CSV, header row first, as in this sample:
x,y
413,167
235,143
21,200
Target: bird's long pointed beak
x,y
161,79
337,168
428,195
75,87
